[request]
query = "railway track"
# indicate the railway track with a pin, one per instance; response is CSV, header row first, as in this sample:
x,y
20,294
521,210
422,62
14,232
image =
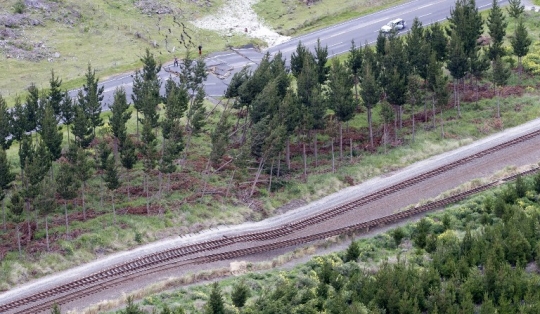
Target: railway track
x,y
202,252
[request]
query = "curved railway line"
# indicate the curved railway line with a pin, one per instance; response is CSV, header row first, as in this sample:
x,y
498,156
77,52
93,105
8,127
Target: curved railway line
x,y
205,252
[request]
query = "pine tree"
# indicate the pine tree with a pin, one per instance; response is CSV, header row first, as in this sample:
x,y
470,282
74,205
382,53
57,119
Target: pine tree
x,y
119,117
354,62
414,42
240,294
457,65
149,154
321,58
500,76
497,30
479,65
352,253
128,157
113,181
55,95
521,43
415,97
5,125
50,133
340,98
515,9
437,41
6,179
82,128
18,121
215,304
56,309
83,168
67,107
16,204
67,187
298,59
370,95
146,86
31,108
467,23
196,114
220,139
90,98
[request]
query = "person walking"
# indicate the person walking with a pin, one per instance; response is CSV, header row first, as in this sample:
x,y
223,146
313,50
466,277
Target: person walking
x,y
175,61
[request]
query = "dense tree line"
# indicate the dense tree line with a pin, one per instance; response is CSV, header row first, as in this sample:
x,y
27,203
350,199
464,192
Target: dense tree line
x,y
268,109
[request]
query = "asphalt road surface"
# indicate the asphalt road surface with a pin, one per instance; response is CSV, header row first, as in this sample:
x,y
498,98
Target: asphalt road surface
x,y
337,38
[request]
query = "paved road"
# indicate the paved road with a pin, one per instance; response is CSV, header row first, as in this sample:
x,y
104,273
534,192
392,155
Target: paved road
x,y
337,38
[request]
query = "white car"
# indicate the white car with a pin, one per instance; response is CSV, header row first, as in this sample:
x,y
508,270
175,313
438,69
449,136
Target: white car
x,y
397,24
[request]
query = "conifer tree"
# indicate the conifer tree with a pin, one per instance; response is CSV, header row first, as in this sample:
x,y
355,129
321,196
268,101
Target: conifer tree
x,y
414,41
119,117
196,114
354,62
340,98
31,109
479,65
500,76
55,95
6,179
299,58
82,128
521,43
466,22
437,41
457,65
67,108
67,186
497,30
128,157
149,154
215,304
220,139
240,294
321,58
146,86
415,97
56,309
515,8
50,133
18,121
83,169
370,95
5,125
113,181
90,98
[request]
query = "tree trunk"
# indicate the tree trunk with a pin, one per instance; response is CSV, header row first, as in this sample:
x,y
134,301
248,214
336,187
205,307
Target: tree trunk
x,y
137,119
230,183
442,124
19,240
259,170
101,192
413,127
340,140
4,213
395,123
315,150
333,158
498,104
433,108
47,231
113,208
205,180
271,173
370,126
278,165
83,201
168,183
28,220
305,161
67,219
128,185
288,153
350,146
384,137
400,117
147,196
477,87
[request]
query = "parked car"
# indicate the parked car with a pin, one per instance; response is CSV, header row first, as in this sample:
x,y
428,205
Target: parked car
x,y
397,24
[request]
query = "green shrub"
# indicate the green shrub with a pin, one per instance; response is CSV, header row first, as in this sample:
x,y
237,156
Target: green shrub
x,y
19,7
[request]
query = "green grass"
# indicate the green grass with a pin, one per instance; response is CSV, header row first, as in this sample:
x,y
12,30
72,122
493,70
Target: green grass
x,y
291,17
